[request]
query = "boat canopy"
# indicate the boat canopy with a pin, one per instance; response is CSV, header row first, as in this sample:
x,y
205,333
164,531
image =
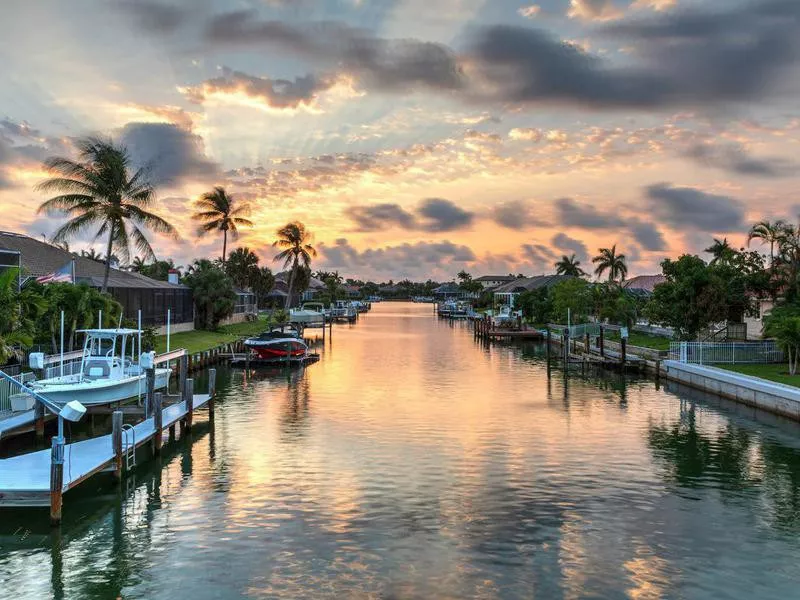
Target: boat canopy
x,y
109,333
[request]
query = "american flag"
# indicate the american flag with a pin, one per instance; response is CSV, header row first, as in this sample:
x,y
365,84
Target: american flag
x,y
65,274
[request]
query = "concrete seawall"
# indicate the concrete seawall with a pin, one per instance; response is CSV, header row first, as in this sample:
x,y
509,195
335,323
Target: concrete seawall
x,y
776,398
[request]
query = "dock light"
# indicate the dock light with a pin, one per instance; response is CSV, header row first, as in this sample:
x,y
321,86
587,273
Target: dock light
x,y
72,411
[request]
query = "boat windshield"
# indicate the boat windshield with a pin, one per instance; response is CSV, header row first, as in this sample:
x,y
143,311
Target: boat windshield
x,y
101,346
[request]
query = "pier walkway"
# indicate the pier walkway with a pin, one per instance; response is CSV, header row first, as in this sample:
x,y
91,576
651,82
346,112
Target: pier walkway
x,y
25,479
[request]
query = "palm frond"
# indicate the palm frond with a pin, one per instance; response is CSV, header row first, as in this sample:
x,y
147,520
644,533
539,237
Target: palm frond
x,y
74,226
64,202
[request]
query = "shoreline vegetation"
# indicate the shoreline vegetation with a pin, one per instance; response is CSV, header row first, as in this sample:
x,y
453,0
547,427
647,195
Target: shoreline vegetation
x,y
200,340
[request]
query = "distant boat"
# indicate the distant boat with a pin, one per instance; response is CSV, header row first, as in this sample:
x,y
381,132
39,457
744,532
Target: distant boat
x,y
108,371
423,299
277,344
374,299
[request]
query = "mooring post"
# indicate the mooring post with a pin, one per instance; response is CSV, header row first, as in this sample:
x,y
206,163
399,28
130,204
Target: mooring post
x,y
212,391
56,477
189,400
565,343
38,414
602,343
586,342
158,422
549,341
150,385
183,369
624,344
116,442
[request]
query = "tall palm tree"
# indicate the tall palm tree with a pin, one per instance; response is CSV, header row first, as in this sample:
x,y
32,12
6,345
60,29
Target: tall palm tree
x,y
138,265
294,240
768,233
720,251
92,254
242,267
219,212
609,260
569,265
99,189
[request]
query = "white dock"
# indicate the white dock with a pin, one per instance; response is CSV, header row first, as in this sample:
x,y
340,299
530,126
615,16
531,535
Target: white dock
x,y
16,422
25,479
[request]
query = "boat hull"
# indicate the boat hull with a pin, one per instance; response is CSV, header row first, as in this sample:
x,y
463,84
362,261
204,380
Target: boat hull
x,y
100,392
278,349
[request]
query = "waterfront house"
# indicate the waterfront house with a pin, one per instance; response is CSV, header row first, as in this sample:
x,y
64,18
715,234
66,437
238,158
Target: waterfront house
x,y
505,294
493,281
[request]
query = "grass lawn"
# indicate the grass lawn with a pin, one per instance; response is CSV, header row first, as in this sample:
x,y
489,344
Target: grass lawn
x,y
774,372
645,340
197,341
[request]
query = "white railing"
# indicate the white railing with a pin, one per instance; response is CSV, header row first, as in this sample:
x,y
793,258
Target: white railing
x,y
6,390
726,352
54,370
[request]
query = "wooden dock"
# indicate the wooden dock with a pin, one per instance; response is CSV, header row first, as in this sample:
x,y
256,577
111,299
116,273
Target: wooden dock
x,y
485,329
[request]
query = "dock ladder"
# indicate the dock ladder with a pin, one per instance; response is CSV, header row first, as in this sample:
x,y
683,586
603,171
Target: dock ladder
x,y
129,446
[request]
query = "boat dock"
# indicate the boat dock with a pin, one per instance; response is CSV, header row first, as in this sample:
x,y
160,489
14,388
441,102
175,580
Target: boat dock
x,y
485,329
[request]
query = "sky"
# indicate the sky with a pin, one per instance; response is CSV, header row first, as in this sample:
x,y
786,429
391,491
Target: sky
x,y
417,138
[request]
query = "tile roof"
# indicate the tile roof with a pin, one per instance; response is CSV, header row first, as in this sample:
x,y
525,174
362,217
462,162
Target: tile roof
x,y
644,282
495,278
527,284
40,258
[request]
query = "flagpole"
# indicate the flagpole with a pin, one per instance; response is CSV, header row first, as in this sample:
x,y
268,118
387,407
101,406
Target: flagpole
x,y
62,344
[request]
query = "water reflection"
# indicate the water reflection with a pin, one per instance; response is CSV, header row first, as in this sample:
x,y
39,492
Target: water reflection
x,y
414,462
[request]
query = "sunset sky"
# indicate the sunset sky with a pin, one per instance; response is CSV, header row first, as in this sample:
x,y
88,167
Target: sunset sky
x,y
416,138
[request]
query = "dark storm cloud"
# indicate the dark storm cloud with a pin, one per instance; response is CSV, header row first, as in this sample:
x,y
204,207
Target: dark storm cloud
x,y
690,208
571,246
572,214
647,235
538,254
432,214
734,159
154,17
169,152
516,215
380,63
394,259
688,57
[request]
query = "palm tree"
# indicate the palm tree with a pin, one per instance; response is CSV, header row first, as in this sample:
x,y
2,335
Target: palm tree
x,y
99,189
294,238
138,265
768,233
92,254
242,267
219,212
720,251
569,265
609,260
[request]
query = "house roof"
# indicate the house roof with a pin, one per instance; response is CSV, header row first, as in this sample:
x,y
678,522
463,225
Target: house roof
x,y
530,283
447,288
40,258
495,278
644,282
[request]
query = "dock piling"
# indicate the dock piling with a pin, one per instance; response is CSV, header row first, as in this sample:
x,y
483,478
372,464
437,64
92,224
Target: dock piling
x,y
38,412
188,398
116,442
150,385
212,391
158,416
623,353
183,369
602,343
56,478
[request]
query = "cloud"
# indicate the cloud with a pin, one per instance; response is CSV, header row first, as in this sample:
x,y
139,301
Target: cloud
x,y
692,57
274,93
387,65
516,215
572,214
690,208
594,10
526,133
539,256
530,12
405,260
572,246
154,17
432,214
733,158
646,235
171,153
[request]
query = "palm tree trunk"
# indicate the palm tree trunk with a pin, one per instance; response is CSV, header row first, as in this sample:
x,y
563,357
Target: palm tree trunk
x,y
224,244
291,284
108,258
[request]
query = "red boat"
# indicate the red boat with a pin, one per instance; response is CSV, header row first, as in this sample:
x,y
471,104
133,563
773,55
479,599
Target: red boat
x,y
276,345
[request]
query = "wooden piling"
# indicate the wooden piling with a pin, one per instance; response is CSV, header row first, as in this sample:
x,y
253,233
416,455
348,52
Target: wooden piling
x,y
212,392
56,479
623,354
183,369
602,343
116,442
38,412
158,422
189,399
150,385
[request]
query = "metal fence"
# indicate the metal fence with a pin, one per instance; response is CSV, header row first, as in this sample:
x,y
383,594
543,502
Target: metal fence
x,y
6,390
726,352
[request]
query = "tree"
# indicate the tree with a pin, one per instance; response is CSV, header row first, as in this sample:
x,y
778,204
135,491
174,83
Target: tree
x,y
214,297
242,267
159,269
768,233
783,323
569,265
573,296
99,189
691,299
92,254
609,260
536,305
218,211
468,284
720,251
263,285
296,250
15,331
137,264
81,305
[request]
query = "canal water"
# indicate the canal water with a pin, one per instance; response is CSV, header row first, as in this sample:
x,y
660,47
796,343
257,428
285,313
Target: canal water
x,y
415,462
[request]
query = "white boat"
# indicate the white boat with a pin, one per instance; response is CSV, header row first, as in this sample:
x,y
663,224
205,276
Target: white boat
x,y
505,315
344,310
307,315
108,371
